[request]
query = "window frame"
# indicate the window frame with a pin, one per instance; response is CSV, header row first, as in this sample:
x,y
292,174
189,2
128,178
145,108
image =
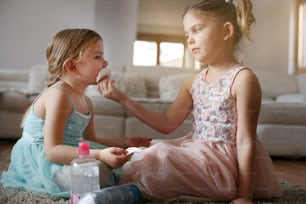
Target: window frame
x,y
300,36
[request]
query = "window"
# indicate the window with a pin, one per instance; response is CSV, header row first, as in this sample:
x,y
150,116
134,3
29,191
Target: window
x,y
163,50
301,38
145,53
171,54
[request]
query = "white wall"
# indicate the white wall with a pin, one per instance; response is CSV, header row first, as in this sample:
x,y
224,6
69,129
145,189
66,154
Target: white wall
x,y
116,21
270,48
26,27
162,16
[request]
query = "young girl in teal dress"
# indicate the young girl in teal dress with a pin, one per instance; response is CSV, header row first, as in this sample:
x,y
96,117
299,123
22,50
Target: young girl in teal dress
x,y
61,117
221,159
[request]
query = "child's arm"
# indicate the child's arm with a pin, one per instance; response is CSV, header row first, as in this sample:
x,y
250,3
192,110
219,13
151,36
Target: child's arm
x,y
123,142
162,122
55,107
247,92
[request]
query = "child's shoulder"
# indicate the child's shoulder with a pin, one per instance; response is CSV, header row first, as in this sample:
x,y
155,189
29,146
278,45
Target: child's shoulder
x,y
246,73
246,80
56,94
55,90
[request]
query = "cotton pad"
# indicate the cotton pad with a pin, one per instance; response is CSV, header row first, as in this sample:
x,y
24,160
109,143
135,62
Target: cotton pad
x,y
132,150
103,73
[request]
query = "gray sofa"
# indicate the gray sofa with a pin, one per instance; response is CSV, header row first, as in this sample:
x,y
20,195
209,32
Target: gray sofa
x,y
282,122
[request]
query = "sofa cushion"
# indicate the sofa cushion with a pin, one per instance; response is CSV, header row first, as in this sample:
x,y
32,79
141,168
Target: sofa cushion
x,y
275,83
156,105
131,84
109,125
292,98
13,85
169,86
14,101
283,113
267,100
135,127
104,106
13,78
281,140
10,124
9,74
153,74
38,78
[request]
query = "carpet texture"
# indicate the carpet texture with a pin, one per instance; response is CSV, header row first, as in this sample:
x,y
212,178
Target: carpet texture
x,y
291,193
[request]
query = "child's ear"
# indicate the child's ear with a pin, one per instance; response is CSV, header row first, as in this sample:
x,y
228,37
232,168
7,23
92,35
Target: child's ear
x,y
70,66
228,30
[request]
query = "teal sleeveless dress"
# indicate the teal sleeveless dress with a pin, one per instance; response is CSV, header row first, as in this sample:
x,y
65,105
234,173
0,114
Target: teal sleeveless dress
x,y
29,168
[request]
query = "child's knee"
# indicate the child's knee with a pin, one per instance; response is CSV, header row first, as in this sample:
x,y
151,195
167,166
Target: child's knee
x,y
63,179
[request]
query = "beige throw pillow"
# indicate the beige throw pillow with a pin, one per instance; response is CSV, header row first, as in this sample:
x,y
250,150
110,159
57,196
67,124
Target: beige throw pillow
x,y
38,78
132,85
170,85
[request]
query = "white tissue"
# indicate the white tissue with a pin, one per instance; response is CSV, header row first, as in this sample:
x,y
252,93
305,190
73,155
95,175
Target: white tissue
x,y
103,73
132,150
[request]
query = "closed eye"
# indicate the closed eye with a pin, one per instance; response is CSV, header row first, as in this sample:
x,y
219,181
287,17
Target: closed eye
x,y
98,57
197,29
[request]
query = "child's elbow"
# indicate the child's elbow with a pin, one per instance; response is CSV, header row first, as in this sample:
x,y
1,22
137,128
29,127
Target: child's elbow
x,y
50,156
167,129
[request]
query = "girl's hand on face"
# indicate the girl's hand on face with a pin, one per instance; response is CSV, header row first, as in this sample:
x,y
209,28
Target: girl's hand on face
x,y
138,142
114,156
241,201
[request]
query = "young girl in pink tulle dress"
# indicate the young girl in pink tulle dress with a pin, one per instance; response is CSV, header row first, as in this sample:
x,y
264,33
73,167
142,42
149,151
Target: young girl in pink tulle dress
x,y
221,158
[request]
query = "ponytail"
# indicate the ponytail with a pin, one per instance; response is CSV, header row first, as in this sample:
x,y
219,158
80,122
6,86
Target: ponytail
x,y
245,17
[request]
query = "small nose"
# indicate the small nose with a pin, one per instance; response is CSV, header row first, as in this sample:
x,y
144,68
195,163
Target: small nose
x,y
105,63
190,40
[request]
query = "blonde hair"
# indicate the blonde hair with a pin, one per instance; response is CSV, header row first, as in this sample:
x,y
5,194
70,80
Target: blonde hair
x,y
241,16
67,44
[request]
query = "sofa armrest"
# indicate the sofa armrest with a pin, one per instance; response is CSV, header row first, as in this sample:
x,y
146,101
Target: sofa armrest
x,y
301,82
13,78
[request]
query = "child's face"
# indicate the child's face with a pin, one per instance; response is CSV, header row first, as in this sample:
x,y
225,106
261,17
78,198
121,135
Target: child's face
x,y
204,34
92,61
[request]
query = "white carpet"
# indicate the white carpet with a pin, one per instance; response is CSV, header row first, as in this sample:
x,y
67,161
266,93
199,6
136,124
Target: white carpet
x,y
291,193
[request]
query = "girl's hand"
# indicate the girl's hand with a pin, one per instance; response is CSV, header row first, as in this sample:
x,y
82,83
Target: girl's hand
x,y
138,142
114,156
241,201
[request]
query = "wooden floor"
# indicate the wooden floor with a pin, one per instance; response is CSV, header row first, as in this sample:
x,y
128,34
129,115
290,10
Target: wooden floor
x,y
291,169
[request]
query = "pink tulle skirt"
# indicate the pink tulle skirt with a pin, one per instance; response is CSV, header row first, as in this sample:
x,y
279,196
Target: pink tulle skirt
x,y
190,169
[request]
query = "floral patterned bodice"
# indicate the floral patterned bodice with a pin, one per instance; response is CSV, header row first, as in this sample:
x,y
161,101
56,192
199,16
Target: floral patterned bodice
x,y
214,108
